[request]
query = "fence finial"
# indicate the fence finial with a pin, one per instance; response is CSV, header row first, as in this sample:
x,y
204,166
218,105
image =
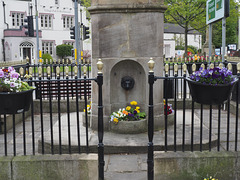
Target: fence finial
x,y
225,57
48,71
21,71
66,70
184,68
166,67
175,68
229,66
85,70
100,66
238,67
40,71
30,71
58,71
203,66
75,70
220,65
151,64
211,66
194,67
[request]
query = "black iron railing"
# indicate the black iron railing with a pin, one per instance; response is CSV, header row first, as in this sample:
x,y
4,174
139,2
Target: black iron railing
x,y
195,127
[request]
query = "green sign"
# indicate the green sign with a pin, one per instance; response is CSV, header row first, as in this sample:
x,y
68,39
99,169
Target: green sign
x,y
218,4
211,10
215,10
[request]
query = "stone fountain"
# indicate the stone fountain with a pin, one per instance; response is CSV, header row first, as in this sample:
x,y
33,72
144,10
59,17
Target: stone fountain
x,y
125,35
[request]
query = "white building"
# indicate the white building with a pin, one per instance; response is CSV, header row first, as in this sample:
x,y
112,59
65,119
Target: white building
x,y
55,17
174,35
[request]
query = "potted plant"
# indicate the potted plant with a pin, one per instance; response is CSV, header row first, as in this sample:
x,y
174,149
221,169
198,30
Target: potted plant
x,y
15,94
211,86
129,120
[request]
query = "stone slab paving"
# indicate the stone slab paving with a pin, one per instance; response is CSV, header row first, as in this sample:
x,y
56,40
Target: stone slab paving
x,y
121,165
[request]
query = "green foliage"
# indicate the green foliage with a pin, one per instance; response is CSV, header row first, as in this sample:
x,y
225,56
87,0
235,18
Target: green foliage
x,y
46,56
64,50
194,49
188,14
231,27
86,3
179,47
190,50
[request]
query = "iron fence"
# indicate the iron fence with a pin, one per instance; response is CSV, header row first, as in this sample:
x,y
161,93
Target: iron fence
x,y
195,127
56,106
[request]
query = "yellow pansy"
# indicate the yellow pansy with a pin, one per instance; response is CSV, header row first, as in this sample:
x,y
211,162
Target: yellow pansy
x,y
115,120
88,106
128,108
133,103
137,108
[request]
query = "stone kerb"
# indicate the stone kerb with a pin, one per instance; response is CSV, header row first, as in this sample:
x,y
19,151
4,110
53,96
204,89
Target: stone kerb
x,y
196,165
61,167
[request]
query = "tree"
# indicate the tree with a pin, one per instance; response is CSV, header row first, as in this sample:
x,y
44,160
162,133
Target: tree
x,y
86,3
231,27
189,14
64,50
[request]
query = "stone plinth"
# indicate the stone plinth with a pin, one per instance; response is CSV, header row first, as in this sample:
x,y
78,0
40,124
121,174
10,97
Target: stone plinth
x,y
125,34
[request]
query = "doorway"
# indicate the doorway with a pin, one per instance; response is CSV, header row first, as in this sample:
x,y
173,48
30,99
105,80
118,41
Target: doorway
x,y
26,50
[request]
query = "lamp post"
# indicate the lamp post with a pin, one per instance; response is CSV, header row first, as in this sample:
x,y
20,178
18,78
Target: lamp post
x,y
36,16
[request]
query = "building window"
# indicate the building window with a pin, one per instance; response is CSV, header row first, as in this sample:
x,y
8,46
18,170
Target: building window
x,y
46,21
68,22
47,47
56,2
17,19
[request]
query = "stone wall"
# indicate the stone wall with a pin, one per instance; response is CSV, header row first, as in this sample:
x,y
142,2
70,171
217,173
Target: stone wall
x,y
41,167
196,165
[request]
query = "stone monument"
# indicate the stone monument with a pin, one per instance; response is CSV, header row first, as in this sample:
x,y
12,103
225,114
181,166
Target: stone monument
x,y
125,35
206,45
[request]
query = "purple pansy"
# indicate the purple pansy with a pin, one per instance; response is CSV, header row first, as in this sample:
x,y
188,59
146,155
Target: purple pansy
x,y
1,73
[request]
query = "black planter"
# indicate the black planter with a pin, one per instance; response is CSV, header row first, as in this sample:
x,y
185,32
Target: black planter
x,y
210,94
198,65
236,88
14,103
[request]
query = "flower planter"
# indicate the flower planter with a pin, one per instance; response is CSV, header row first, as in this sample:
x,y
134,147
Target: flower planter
x,y
129,127
15,102
236,88
210,94
198,65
